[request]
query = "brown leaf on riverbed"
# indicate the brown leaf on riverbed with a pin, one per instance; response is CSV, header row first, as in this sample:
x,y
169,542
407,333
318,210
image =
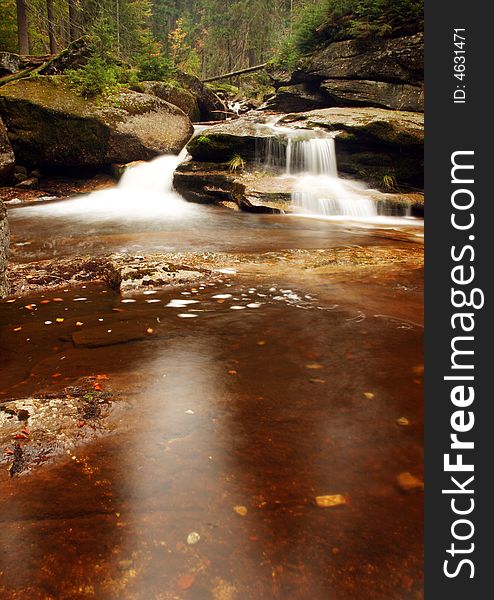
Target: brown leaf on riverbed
x,y
102,376
184,582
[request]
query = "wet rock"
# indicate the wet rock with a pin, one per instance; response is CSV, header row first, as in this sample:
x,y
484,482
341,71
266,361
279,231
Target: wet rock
x,y
28,183
49,124
222,142
7,158
408,483
208,183
52,426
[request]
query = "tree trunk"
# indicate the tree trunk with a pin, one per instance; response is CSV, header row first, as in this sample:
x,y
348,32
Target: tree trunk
x,y
22,34
74,21
51,27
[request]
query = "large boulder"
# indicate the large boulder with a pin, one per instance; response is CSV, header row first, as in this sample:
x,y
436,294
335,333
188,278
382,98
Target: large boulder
x,y
9,63
4,247
51,125
397,59
172,92
7,159
220,143
377,72
364,92
210,106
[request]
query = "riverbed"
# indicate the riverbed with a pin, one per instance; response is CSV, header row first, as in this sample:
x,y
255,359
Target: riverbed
x,y
289,367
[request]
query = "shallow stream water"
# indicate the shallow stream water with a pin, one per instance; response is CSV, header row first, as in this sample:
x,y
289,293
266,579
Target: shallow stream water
x,y
262,390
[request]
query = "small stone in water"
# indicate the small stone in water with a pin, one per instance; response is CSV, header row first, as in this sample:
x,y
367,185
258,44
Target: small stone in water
x,y
330,501
193,538
189,412
403,421
409,483
240,510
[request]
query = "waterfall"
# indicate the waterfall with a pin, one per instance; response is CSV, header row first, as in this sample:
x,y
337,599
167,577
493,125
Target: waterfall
x,y
145,192
311,158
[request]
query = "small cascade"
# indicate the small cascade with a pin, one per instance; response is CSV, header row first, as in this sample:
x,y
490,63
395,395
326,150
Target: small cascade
x,y
311,158
144,192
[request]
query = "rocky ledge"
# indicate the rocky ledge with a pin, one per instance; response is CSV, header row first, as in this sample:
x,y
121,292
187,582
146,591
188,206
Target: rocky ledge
x,y
379,72
373,145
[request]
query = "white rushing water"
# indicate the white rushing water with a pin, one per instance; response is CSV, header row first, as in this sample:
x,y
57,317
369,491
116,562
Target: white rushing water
x,y
144,193
318,189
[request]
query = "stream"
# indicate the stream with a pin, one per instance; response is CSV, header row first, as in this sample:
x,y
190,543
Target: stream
x,y
236,400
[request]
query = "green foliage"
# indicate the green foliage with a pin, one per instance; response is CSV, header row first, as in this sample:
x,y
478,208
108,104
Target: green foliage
x,y
389,182
8,26
236,163
97,78
332,20
155,68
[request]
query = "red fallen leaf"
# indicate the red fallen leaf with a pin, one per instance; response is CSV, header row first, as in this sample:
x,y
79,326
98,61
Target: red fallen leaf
x,y
97,387
8,451
184,582
26,431
81,423
20,436
55,375
253,538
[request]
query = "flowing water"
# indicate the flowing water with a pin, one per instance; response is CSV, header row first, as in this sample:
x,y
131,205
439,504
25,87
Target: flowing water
x,y
253,394
318,190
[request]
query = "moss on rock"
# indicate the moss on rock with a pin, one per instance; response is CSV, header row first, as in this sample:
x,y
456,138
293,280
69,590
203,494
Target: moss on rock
x,y
51,125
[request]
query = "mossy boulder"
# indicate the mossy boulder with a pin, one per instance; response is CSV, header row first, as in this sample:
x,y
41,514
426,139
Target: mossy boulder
x,y
220,143
365,126
173,92
211,107
49,124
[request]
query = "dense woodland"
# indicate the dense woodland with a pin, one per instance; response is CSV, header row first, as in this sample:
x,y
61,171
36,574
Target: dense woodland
x,y
202,37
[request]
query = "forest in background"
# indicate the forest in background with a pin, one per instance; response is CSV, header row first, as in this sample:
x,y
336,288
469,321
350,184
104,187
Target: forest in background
x,y
201,37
